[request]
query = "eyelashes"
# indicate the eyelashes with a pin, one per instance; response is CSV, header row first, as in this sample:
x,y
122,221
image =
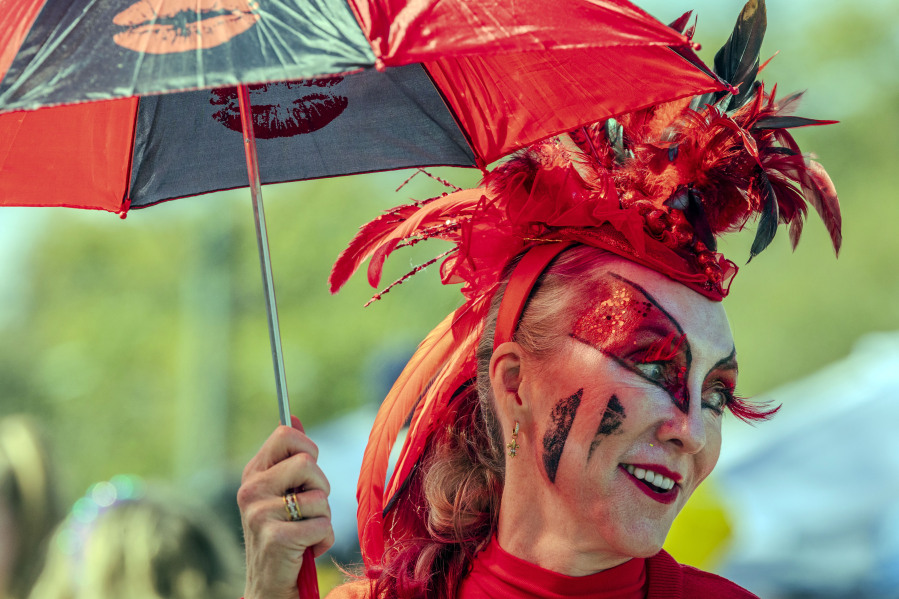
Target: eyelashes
x,y
751,410
746,409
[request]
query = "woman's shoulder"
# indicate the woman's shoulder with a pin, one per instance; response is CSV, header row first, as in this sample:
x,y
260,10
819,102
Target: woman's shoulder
x,y
665,574
357,589
699,583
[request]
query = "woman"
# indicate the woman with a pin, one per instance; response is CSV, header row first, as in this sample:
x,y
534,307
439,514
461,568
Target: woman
x,y
560,419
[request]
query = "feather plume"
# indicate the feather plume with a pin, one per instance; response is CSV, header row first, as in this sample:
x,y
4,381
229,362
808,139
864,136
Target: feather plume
x,y
822,194
737,62
399,403
770,215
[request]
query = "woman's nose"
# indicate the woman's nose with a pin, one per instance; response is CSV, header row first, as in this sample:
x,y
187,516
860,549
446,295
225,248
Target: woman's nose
x,y
686,430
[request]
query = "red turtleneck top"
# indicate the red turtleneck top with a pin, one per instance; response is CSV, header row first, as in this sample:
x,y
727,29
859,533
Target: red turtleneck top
x,y
496,574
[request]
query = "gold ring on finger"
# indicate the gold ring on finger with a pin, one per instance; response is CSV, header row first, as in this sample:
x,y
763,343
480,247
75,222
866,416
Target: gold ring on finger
x,y
290,505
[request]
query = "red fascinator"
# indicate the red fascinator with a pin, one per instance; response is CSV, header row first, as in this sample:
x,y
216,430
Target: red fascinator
x,y
656,186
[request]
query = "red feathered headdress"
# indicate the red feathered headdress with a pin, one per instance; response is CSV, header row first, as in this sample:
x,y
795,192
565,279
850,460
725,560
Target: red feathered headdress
x,y
655,186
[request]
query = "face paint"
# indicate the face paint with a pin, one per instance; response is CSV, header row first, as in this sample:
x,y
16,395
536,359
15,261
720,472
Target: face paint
x,y
612,420
632,328
562,417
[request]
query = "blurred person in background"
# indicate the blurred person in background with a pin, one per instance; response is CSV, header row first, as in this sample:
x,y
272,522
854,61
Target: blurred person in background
x,y
123,540
28,505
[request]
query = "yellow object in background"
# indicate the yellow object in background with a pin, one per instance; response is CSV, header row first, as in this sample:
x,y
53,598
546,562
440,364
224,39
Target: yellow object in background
x,y
328,576
701,533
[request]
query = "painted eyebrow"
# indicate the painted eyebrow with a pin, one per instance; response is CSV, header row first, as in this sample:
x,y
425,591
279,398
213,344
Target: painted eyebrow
x,y
728,362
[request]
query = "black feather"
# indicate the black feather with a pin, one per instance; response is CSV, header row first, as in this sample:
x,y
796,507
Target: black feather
x,y
737,62
689,202
615,135
783,151
699,102
695,215
679,200
789,103
742,98
786,122
767,227
672,153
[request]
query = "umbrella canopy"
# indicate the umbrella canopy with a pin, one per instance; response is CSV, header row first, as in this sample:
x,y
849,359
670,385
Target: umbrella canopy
x,y
456,83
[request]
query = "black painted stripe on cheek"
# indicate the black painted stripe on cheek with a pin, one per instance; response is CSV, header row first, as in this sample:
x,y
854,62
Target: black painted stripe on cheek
x,y
612,419
562,417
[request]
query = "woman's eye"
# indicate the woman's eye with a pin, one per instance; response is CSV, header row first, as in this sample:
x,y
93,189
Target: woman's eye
x,y
654,371
716,398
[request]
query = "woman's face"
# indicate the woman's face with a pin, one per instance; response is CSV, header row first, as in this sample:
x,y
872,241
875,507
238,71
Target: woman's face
x,y
624,421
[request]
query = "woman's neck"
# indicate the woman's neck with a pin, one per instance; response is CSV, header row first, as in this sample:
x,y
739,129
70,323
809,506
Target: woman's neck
x,y
531,529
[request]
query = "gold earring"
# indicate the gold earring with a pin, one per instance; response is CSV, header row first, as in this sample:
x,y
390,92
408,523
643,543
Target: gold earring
x,y
513,445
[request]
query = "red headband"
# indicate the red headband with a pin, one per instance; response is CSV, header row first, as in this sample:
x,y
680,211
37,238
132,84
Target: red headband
x,y
518,290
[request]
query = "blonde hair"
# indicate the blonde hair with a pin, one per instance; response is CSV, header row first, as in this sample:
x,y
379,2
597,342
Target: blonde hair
x,y
27,495
150,547
462,480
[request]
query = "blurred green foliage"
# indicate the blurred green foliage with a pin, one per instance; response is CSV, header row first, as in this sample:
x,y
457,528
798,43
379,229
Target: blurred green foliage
x,y
143,347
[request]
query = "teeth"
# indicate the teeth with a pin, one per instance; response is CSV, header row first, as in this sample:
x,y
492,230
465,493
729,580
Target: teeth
x,y
653,478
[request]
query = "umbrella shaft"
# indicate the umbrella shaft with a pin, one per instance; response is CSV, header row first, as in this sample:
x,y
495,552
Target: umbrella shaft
x,y
268,283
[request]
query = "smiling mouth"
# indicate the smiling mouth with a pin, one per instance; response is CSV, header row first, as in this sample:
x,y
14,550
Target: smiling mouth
x,y
654,484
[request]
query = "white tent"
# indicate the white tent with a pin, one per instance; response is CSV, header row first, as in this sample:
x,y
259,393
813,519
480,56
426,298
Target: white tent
x,y
814,493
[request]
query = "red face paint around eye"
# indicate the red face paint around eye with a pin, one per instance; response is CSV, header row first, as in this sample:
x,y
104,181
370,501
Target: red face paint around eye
x,y
628,325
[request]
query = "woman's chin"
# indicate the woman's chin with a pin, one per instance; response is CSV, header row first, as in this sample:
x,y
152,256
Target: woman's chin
x,y
647,550
641,544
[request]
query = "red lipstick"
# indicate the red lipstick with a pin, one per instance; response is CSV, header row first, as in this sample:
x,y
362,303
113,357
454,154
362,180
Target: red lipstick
x,y
312,105
165,27
665,497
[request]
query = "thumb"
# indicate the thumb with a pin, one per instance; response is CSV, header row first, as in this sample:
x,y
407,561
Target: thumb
x,y
295,423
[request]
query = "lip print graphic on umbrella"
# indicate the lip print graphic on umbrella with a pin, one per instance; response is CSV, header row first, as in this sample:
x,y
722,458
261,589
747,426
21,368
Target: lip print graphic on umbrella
x,y
169,26
283,109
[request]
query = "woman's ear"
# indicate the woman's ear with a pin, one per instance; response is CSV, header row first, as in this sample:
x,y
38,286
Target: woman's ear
x,y
505,374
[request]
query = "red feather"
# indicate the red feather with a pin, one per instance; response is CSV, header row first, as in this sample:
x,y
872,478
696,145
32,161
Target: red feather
x,y
397,406
823,196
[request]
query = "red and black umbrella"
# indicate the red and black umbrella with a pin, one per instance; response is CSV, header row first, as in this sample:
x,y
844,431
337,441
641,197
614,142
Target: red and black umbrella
x,y
369,86
123,104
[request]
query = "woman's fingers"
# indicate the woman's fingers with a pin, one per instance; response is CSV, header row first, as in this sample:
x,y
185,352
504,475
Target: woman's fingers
x,y
310,504
283,443
298,472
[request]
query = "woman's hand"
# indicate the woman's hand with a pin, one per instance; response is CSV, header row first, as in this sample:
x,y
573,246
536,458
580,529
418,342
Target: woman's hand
x,y
274,543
